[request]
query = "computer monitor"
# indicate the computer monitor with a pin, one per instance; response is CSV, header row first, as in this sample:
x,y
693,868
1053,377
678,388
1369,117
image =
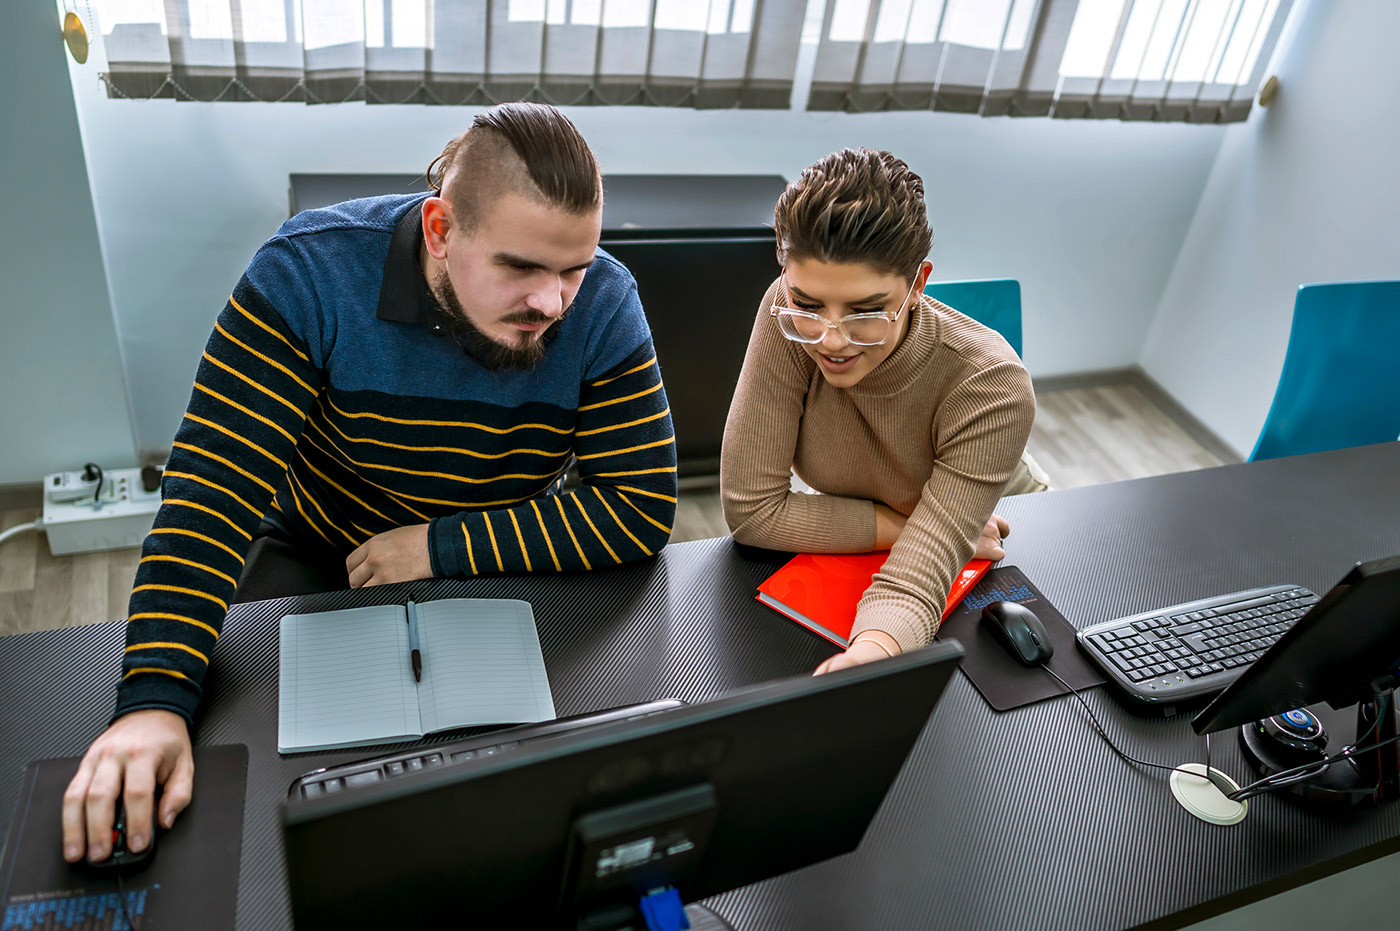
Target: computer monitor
x,y
572,831
1344,651
700,291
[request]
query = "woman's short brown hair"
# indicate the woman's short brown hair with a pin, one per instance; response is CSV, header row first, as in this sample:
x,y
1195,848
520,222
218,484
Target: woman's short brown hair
x,y
856,205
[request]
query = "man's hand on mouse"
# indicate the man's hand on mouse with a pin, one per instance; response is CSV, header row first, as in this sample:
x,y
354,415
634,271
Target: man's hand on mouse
x,y
989,544
398,555
869,646
135,754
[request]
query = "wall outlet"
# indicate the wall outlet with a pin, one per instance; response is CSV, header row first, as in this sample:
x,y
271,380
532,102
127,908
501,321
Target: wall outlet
x,y
120,518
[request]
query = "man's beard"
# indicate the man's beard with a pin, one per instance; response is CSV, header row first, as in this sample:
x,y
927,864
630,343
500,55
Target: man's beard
x,y
490,353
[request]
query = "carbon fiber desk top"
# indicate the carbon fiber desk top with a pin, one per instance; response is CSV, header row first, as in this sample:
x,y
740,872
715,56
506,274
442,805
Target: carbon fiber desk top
x,y
1023,820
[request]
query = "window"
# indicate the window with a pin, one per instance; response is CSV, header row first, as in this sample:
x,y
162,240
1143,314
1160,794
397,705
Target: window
x,y
1197,60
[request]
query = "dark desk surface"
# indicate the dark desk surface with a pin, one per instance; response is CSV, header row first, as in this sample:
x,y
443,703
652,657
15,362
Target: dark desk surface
x,y
1006,821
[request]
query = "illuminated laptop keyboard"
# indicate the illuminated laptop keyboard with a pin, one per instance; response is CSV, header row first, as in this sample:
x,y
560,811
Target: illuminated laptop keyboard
x,y
350,776
1194,649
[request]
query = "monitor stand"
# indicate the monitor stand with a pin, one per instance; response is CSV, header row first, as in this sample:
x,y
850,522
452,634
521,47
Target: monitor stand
x,y
1365,779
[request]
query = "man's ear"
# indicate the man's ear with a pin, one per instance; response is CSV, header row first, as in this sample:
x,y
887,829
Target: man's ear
x,y
437,223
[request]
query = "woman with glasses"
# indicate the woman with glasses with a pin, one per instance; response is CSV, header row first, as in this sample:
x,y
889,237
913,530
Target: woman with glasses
x,y
909,418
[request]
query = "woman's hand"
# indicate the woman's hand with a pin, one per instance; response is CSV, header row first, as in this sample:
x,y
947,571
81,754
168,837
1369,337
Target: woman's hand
x,y
989,544
868,647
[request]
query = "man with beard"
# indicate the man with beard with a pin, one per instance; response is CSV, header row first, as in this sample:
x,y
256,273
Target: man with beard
x,y
395,390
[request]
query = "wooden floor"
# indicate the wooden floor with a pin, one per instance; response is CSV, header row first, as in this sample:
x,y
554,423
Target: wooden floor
x,y
1082,436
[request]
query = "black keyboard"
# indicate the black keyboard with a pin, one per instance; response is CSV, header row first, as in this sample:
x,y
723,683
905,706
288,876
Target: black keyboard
x,y
350,776
1191,650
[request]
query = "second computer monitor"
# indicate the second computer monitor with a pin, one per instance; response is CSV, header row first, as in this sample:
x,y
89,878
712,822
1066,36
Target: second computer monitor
x,y
1348,642
705,798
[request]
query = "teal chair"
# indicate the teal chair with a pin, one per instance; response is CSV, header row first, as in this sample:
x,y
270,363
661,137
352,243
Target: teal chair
x,y
993,302
1340,385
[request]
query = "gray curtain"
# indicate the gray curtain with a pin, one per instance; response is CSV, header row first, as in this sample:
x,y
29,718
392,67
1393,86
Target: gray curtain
x,y
1193,60
689,53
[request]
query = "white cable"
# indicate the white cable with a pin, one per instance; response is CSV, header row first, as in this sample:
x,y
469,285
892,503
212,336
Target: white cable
x,y
18,529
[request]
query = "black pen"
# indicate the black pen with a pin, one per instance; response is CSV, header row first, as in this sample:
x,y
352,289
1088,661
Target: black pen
x,y
414,654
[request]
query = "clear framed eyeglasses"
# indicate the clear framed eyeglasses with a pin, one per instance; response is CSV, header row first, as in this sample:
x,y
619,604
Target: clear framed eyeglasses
x,y
803,326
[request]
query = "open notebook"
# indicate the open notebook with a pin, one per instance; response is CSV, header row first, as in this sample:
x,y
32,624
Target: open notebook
x,y
346,679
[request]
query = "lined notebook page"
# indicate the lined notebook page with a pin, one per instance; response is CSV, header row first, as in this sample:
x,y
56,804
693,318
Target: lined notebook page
x,y
481,664
345,679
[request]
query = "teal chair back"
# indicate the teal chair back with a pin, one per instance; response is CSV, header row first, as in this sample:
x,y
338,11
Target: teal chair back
x,y
1340,385
993,302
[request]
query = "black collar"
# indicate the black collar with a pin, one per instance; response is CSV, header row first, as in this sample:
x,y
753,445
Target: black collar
x,y
404,295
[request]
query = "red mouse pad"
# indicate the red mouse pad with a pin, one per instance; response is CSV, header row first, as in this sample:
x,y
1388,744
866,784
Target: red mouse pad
x,y
190,881
1003,682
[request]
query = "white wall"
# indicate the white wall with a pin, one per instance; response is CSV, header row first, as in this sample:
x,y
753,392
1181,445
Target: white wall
x,y
1305,191
62,401
1087,215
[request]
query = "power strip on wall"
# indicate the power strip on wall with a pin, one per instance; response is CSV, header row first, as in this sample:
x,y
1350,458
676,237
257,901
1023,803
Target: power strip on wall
x,y
119,517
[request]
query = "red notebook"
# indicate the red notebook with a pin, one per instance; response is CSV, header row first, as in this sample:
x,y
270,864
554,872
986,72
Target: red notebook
x,y
820,591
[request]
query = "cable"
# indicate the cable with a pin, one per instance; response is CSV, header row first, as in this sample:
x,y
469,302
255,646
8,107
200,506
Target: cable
x,y
121,902
1298,773
88,469
19,529
1102,732
1269,783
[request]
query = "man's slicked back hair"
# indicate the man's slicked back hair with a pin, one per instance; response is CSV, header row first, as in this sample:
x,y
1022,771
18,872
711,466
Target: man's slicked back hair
x,y
525,148
855,206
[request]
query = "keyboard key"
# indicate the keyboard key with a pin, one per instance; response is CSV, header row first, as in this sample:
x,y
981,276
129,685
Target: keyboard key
x,y
312,790
332,785
433,759
1196,642
414,765
461,755
369,777
1140,626
1120,661
395,768
1251,603
1186,629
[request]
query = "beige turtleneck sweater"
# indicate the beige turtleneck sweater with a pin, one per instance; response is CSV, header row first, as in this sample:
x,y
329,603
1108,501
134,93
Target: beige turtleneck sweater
x,y
935,432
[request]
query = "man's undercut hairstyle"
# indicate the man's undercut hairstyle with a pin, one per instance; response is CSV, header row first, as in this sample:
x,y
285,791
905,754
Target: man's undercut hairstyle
x,y
523,148
856,205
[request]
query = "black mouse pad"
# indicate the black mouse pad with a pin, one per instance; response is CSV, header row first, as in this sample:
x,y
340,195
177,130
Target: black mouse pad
x,y
191,881
1003,682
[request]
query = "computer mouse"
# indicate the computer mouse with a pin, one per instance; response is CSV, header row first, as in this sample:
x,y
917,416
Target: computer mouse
x,y
1018,630
123,856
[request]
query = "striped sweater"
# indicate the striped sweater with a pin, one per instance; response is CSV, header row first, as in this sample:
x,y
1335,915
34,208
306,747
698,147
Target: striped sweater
x,y
329,403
